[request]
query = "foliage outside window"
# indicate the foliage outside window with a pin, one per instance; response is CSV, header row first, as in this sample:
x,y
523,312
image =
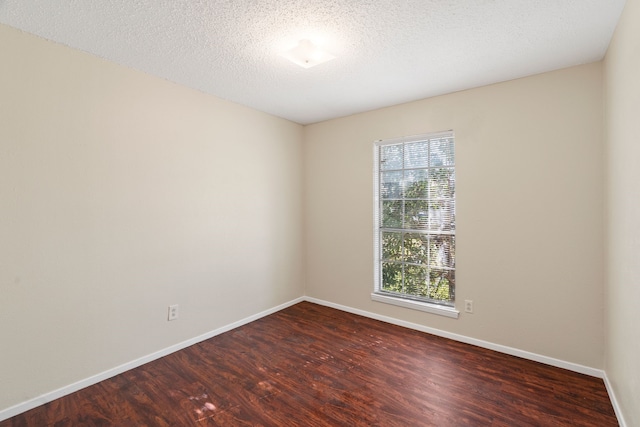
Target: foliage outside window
x,y
415,218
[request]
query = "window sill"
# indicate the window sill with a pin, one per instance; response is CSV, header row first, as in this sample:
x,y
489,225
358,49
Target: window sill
x,y
417,305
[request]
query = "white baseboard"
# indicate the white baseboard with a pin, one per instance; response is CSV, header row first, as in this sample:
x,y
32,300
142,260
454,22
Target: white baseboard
x,y
598,373
63,391
468,340
614,401
71,388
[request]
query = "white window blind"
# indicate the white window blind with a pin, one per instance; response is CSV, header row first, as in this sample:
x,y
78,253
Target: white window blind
x,y
415,212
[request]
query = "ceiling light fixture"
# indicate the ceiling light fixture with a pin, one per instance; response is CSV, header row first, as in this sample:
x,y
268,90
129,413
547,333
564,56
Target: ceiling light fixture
x,y
307,54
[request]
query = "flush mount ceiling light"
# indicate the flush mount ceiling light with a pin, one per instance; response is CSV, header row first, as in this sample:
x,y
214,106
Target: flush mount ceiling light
x,y
307,54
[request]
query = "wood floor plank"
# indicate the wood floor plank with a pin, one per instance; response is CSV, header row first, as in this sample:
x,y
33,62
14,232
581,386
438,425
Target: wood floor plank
x,y
310,365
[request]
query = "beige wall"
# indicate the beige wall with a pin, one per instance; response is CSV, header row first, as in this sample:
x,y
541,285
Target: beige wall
x,y
121,193
529,212
622,314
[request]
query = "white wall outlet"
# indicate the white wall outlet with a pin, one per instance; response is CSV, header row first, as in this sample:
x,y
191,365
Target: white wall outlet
x,y
468,306
173,312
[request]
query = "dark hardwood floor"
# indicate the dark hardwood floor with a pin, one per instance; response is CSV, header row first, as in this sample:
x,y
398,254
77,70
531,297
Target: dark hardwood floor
x,y
310,365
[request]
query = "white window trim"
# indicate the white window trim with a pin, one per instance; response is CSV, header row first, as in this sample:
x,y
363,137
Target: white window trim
x,y
385,298
416,305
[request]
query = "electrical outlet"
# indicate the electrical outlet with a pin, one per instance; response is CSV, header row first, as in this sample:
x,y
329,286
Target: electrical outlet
x,y
173,312
468,306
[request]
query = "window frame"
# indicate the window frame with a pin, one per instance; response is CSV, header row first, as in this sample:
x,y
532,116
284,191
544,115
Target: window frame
x,y
378,294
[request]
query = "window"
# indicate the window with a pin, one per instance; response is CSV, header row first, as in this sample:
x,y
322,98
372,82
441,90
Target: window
x,y
415,222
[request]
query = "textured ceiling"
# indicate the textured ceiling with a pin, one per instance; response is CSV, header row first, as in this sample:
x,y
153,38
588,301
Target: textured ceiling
x,y
388,51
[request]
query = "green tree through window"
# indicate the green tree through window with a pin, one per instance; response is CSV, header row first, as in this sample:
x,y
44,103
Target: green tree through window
x,y
415,213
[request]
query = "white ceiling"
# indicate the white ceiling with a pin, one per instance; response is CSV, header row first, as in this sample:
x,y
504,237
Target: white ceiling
x,y
388,51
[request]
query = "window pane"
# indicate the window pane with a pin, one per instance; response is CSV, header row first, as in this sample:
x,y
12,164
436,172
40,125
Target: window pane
x,y
392,277
416,154
442,251
442,285
392,246
441,152
415,280
416,214
442,215
391,157
442,183
416,184
416,248
391,185
391,214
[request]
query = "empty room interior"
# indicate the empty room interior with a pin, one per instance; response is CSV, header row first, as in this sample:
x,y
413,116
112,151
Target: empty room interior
x,y
171,175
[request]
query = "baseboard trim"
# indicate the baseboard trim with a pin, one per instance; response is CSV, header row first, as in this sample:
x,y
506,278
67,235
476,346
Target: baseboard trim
x,y
614,401
468,340
79,385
